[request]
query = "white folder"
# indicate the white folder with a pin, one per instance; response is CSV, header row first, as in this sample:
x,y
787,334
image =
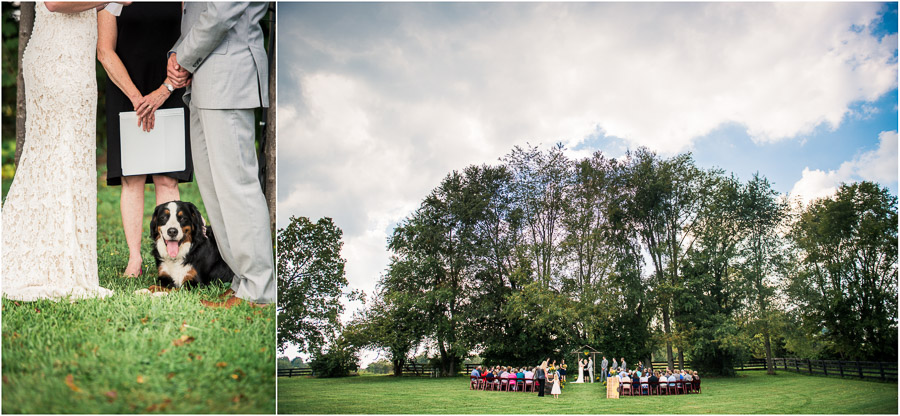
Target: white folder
x,y
160,150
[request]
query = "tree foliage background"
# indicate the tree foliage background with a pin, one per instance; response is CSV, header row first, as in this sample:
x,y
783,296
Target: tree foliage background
x,y
646,257
311,283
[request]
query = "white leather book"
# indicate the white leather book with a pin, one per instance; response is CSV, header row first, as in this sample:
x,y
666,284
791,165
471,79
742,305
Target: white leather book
x,y
160,150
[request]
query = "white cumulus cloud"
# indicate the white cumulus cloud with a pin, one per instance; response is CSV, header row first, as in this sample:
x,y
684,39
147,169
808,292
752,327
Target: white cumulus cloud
x,y
879,165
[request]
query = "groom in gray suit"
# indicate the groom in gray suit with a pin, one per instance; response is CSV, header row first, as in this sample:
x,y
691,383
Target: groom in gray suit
x,y
221,59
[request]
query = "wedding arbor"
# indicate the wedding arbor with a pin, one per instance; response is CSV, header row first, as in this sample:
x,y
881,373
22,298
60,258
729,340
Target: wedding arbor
x,y
585,351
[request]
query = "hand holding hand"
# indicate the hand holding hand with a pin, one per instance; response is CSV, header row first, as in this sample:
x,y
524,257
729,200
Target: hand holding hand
x,y
176,73
177,85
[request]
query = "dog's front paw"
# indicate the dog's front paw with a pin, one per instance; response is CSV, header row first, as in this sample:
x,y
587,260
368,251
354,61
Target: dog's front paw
x,y
154,290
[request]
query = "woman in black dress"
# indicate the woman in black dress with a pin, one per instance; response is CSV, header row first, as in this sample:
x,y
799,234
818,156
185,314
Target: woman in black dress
x,y
133,49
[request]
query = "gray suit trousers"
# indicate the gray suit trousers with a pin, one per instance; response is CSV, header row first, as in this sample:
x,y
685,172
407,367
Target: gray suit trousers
x,y
224,154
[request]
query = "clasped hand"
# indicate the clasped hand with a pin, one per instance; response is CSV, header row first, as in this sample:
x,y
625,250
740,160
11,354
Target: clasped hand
x,y
179,76
146,106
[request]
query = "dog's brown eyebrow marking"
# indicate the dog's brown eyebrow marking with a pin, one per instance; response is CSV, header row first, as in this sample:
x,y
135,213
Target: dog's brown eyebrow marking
x,y
180,212
166,211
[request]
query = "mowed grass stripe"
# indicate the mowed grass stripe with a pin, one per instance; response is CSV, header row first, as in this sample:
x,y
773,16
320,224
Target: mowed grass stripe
x,y
750,392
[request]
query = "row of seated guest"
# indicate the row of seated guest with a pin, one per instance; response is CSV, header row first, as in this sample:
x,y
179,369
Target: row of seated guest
x,y
681,380
501,376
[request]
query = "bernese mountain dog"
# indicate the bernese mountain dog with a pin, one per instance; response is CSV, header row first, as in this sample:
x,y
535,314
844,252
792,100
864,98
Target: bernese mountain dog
x,y
185,255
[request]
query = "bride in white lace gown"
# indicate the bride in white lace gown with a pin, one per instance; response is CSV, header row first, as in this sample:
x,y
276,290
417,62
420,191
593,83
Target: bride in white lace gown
x,y
50,214
580,372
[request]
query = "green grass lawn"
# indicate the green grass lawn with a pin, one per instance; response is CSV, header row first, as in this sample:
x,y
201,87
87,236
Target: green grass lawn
x,y
750,392
136,353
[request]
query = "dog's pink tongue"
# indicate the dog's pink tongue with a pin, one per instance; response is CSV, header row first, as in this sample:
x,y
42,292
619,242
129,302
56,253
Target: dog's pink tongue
x,y
172,248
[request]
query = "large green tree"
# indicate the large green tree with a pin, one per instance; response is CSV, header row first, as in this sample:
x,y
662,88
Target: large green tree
x,y
434,251
711,292
765,215
665,202
311,282
614,305
846,287
538,189
585,219
389,323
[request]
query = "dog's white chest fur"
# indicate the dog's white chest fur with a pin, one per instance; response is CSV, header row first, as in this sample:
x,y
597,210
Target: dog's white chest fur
x,y
174,267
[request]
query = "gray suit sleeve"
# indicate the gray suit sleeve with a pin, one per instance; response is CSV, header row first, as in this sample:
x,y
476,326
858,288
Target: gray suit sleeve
x,y
207,33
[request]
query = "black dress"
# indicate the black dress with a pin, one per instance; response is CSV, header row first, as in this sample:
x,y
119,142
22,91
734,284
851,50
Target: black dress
x,y
146,32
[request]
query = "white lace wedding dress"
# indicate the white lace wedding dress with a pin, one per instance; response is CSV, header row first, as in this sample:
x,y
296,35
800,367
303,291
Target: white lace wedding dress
x,y
580,372
50,214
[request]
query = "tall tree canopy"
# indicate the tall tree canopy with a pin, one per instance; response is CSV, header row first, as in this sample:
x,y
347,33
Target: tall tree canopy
x,y
311,281
635,256
846,288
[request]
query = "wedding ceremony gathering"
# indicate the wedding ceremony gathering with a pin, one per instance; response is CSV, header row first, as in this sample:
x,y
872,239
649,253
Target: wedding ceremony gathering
x,y
137,256
583,208
640,380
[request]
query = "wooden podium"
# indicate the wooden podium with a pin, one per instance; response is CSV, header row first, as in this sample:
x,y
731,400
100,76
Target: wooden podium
x,y
612,387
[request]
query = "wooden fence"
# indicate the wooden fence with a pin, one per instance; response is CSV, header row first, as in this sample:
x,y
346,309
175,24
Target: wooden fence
x,y
839,368
295,372
751,364
419,370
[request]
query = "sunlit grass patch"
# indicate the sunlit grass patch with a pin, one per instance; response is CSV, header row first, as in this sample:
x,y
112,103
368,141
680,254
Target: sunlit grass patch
x,y
750,392
133,353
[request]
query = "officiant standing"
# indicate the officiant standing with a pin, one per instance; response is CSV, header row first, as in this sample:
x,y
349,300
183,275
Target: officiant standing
x,y
132,43
221,54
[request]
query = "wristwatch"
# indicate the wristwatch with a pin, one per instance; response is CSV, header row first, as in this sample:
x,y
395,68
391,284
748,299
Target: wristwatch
x,y
168,86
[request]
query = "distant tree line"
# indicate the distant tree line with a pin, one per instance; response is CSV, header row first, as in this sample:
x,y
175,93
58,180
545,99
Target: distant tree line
x,y
297,362
639,256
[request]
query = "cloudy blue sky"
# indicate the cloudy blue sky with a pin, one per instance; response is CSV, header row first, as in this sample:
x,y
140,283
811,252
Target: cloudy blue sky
x,y
378,102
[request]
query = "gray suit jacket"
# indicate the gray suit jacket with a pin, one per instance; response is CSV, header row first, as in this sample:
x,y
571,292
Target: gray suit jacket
x,y
221,43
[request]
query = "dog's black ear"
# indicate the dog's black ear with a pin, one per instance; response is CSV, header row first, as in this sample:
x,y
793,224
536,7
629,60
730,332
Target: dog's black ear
x,y
196,223
154,231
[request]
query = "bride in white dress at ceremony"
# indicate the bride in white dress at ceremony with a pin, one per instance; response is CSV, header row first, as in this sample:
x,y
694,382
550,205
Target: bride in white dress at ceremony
x,y
580,372
50,214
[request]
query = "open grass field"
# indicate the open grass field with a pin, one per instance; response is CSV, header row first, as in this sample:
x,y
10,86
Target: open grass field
x,y
751,392
136,353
